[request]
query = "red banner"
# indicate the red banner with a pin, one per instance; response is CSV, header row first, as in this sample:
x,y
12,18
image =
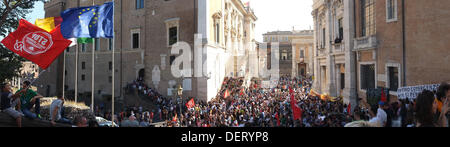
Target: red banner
x,y
35,44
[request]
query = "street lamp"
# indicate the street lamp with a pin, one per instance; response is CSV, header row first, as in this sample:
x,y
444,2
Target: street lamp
x,y
180,94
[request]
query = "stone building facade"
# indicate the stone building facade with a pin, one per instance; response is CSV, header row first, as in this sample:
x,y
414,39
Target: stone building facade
x,y
387,44
401,43
294,51
329,47
145,33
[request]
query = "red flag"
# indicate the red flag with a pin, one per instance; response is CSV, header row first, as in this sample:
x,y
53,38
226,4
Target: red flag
x,y
278,119
35,44
349,108
383,96
226,94
295,109
242,92
190,104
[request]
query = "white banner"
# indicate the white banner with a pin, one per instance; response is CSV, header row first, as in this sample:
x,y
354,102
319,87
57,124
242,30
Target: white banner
x,y
413,91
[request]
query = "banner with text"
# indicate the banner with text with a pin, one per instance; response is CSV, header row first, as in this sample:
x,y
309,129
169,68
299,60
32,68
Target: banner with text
x,y
412,92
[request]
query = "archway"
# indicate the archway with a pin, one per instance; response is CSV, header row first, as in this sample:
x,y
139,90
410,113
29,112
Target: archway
x,y
141,74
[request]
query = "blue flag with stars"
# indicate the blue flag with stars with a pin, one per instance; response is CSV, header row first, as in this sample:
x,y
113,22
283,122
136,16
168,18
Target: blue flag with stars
x,y
88,22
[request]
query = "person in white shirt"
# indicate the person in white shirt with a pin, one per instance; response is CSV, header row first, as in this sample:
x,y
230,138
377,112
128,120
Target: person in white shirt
x,y
55,111
381,117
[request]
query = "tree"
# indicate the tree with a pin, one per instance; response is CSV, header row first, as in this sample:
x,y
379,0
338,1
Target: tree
x,y
11,11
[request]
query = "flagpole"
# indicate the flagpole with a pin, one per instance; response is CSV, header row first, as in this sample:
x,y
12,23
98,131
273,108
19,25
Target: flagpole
x,y
76,64
93,75
76,74
64,75
93,70
113,68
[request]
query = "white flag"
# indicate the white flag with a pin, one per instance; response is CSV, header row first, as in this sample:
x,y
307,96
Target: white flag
x,y
74,42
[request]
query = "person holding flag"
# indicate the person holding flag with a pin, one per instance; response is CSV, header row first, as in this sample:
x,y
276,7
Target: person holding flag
x,y
297,111
28,99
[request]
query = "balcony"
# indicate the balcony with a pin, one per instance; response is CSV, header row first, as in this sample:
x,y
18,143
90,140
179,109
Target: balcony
x,y
338,46
369,42
321,51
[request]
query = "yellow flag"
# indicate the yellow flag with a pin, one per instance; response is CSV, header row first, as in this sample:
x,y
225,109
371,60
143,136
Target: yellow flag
x,y
48,23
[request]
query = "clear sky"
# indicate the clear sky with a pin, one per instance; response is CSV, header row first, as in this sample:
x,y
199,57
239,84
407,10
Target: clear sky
x,y
274,15
38,12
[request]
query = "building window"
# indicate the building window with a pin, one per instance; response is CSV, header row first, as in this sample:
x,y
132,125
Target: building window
x,y
83,65
284,55
302,53
135,38
367,18
217,33
173,35
83,77
110,44
367,75
391,10
97,44
172,58
341,29
393,78
110,66
83,47
342,81
110,79
323,38
172,28
139,4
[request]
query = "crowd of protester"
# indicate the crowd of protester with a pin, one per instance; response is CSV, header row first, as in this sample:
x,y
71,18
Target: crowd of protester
x,y
260,106
254,106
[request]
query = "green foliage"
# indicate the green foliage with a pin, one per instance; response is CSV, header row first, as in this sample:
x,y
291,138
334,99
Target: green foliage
x,y
11,11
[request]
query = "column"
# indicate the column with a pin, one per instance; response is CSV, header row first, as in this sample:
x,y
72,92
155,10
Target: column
x,y
331,78
316,84
350,67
